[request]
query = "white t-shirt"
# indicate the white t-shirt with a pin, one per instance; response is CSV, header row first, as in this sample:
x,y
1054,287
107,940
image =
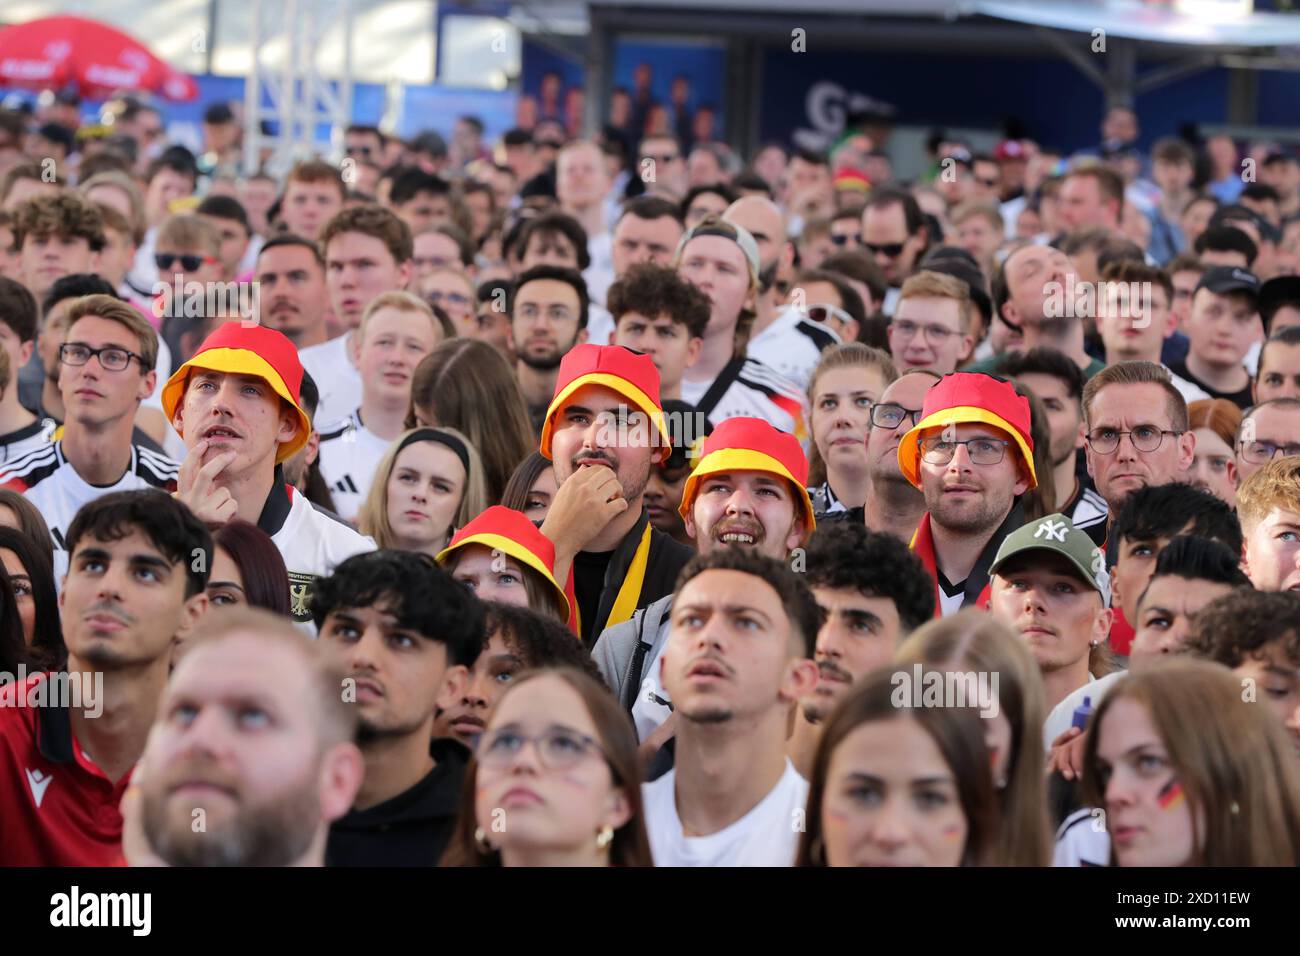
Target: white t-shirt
x,y
349,455
768,835
336,378
792,345
599,275
600,325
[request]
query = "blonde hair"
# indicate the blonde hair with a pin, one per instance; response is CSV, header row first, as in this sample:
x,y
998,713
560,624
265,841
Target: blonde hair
x,y
188,231
1276,485
373,516
938,285
115,310
975,640
401,302
843,355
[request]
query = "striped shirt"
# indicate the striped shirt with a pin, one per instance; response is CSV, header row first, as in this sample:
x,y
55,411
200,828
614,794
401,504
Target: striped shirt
x,y
49,481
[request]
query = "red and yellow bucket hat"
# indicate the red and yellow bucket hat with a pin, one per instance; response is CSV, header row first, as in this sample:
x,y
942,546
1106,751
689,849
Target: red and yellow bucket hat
x,y
510,532
237,349
963,398
631,374
751,444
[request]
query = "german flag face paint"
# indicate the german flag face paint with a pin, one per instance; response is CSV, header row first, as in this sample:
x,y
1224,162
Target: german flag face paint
x,y
1170,795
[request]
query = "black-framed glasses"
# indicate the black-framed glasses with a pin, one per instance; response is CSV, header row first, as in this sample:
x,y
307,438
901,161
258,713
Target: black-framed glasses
x,y
1145,438
188,261
891,414
844,239
111,358
1262,452
938,450
558,748
891,249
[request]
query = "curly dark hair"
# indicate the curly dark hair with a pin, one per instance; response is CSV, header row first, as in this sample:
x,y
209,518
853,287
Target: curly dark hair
x,y
1239,625
844,554
652,291
64,214
539,640
424,598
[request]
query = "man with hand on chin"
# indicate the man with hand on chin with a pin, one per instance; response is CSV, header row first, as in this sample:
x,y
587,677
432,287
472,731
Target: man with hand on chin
x,y
236,405
604,430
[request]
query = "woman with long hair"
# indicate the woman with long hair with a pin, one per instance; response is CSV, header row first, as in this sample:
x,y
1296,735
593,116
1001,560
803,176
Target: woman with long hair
x,y
927,766
554,781
845,385
1190,774
467,385
974,642
247,568
501,556
429,482
531,487
20,514
14,652
31,581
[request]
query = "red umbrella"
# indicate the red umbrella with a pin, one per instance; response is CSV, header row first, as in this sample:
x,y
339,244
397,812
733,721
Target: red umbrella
x,y
93,58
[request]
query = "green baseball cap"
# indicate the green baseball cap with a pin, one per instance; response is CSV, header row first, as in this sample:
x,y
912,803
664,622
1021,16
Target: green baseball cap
x,y
1057,533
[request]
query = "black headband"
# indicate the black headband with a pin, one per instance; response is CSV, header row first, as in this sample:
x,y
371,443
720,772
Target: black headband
x,y
442,438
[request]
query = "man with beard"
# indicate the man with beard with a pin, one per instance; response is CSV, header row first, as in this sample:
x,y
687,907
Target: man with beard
x,y
548,316
893,505
603,431
291,279
405,632
873,593
66,759
1058,384
739,658
254,739
972,456
746,493
781,338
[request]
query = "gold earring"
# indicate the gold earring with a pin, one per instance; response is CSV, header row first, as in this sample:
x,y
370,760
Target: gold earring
x,y
605,837
481,841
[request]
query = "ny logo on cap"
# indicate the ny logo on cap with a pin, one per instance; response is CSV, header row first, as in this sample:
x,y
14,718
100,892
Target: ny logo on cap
x,y
1052,530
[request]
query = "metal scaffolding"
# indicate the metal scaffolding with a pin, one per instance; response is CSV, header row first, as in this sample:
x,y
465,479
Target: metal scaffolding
x,y
285,87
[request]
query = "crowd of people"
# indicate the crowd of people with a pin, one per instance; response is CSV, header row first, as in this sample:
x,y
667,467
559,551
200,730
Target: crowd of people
x,y
554,502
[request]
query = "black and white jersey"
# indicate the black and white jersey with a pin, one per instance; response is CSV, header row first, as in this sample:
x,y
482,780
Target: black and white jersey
x,y
349,455
50,482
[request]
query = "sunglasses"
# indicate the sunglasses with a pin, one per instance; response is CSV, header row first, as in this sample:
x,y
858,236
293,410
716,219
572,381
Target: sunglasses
x,y
844,239
189,263
891,249
823,313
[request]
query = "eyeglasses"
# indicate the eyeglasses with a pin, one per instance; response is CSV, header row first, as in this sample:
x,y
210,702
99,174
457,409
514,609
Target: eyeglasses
x,y
824,312
891,415
891,249
1262,452
1104,441
557,748
111,358
907,330
188,261
455,298
844,239
661,157
938,450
